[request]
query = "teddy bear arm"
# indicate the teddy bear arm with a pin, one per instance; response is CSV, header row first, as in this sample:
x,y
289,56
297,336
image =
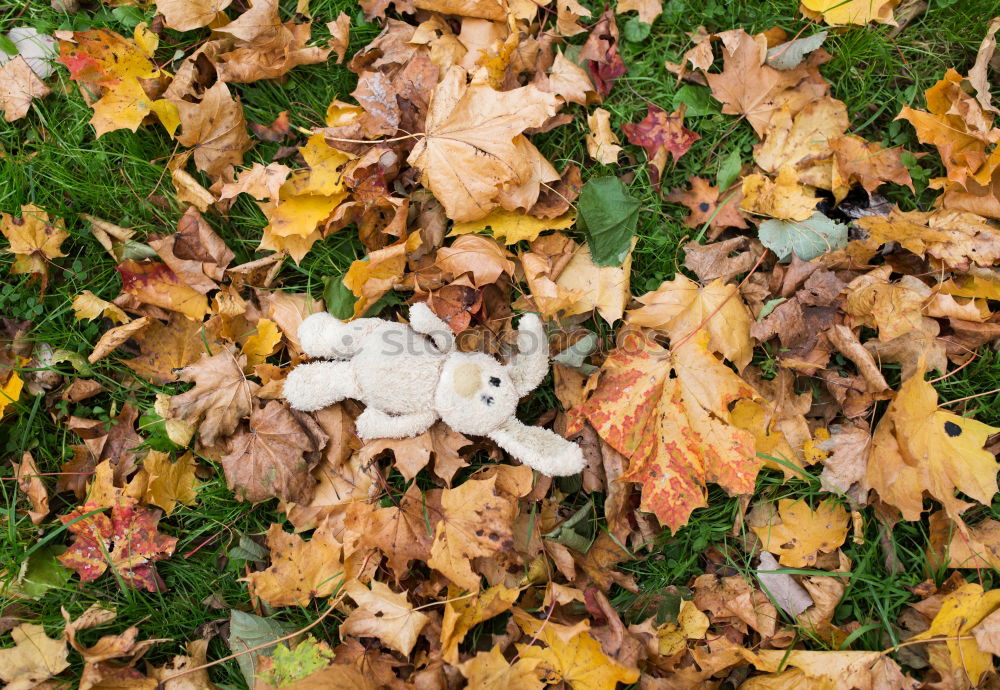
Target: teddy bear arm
x,y
426,322
374,423
324,336
316,385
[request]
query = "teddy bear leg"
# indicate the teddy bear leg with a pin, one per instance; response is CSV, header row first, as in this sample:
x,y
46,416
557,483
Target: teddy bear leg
x,y
312,387
324,336
374,423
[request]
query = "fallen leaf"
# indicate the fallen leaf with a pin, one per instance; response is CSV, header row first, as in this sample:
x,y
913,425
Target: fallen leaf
x,y
87,305
661,134
984,56
691,624
648,10
168,347
34,241
826,669
268,459
152,282
474,155
791,597
957,240
19,86
807,239
299,570
802,142
461,614
188,15
512,228
918,447
214,127
797,533
858,161
732,599
34,658
675,425
262,343
221,397
782,198
852,11
574,658
30,483
475,522
681,308
602,144
608,217
483,258
111,339
491,671
604,288
127,542
384,614
168,482
961,611
707,204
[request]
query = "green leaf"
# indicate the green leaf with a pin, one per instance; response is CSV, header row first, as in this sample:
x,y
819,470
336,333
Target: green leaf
x,y
43,572
729,170
248,550
339,299
770,306
128,17
608,216
698,100
7,46
808,238
290,665
636,31
574,355
247,631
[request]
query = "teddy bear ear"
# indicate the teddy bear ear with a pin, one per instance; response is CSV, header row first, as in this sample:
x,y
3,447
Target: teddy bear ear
x,y
528,367
466,380
539,448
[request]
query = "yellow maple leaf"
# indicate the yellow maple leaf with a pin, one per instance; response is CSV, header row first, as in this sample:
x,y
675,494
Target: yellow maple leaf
x,y
512,227
691,624
261,345
10,391
34,240
89,306
797,533
34,658
783,197
918,447
299,570
166,483
851,11
680,306
576,659
462,613
491,671
961,611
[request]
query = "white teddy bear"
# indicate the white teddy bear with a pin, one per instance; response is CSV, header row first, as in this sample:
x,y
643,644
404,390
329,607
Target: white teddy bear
x,y
410,376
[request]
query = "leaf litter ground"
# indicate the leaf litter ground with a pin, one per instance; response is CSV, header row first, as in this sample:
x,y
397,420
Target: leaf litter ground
x,y
785,284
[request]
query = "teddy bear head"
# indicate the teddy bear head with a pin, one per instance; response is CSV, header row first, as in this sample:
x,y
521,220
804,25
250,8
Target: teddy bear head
x,y
475,393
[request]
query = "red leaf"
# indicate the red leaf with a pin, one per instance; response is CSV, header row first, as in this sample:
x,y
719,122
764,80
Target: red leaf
x,y
127,541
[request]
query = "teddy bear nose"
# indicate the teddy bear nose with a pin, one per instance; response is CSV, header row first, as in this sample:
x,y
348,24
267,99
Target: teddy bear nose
x,y
494,381
488,399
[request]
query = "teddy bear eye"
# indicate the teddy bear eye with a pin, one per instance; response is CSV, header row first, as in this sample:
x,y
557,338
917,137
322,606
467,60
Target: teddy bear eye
x,y
494,381
488,399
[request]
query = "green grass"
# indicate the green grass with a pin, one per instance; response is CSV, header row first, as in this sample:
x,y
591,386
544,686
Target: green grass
x,y
52,159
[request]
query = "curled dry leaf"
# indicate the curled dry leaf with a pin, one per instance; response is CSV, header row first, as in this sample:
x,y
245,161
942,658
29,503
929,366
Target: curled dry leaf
x,y
34,241
19,86
602,144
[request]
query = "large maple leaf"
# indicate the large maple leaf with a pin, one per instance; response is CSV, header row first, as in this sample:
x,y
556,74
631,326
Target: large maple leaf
x,y
474,156
127,541
668,413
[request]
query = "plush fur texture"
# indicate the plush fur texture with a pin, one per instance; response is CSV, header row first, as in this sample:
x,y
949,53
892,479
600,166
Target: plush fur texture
x,y
408,377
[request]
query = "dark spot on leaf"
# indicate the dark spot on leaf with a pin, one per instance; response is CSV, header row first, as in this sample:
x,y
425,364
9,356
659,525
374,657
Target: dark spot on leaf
x,y
703,206
952,429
